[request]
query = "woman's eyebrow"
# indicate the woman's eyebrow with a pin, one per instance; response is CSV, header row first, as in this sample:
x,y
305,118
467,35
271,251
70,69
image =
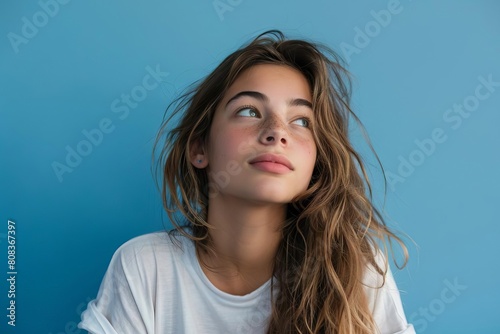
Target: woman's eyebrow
x,y
255,95
300,102
264,98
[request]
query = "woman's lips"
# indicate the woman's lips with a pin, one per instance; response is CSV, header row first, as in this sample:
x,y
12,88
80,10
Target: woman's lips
x,y
272,163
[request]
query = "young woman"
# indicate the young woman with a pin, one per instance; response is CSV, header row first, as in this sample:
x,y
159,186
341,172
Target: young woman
x,y
274,229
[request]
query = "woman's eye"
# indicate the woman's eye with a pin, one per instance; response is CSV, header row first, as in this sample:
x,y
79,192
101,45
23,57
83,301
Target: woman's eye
x,y
247,111
304,121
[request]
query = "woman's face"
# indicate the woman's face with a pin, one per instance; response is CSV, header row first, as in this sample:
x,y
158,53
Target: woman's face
x,y
266,115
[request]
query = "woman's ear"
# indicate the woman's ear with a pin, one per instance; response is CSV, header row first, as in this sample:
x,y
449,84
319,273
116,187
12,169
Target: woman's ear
x,y
198,156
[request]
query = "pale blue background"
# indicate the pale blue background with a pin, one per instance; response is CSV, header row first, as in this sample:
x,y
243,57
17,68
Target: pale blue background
x,y
65,78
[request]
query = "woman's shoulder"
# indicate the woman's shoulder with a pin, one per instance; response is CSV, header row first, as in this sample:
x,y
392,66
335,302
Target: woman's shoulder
x,y
383,296
147,247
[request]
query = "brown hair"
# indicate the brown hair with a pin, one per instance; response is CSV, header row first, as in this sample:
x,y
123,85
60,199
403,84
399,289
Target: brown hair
x,y
332,232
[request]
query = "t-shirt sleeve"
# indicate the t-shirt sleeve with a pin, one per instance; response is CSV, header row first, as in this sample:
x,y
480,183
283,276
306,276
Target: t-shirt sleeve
x,y
123,303
385,301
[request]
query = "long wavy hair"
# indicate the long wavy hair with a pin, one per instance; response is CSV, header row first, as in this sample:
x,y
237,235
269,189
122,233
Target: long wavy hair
x,y
332,231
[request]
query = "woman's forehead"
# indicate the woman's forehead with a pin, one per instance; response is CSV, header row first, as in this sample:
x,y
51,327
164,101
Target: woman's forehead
x,y
271,78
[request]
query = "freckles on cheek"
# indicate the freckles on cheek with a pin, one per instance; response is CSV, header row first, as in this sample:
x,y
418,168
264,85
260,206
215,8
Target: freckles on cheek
x,y
309,146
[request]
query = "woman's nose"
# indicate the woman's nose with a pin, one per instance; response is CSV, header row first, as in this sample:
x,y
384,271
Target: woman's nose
x,y
273,131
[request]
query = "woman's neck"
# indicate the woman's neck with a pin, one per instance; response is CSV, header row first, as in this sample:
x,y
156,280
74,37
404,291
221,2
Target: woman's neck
x,y
245,239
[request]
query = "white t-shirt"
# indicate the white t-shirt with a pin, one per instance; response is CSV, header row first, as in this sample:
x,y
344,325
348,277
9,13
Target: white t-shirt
x,y
153,286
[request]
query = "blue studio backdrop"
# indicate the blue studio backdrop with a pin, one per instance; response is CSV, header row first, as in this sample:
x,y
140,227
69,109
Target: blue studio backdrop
x,y
84,87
